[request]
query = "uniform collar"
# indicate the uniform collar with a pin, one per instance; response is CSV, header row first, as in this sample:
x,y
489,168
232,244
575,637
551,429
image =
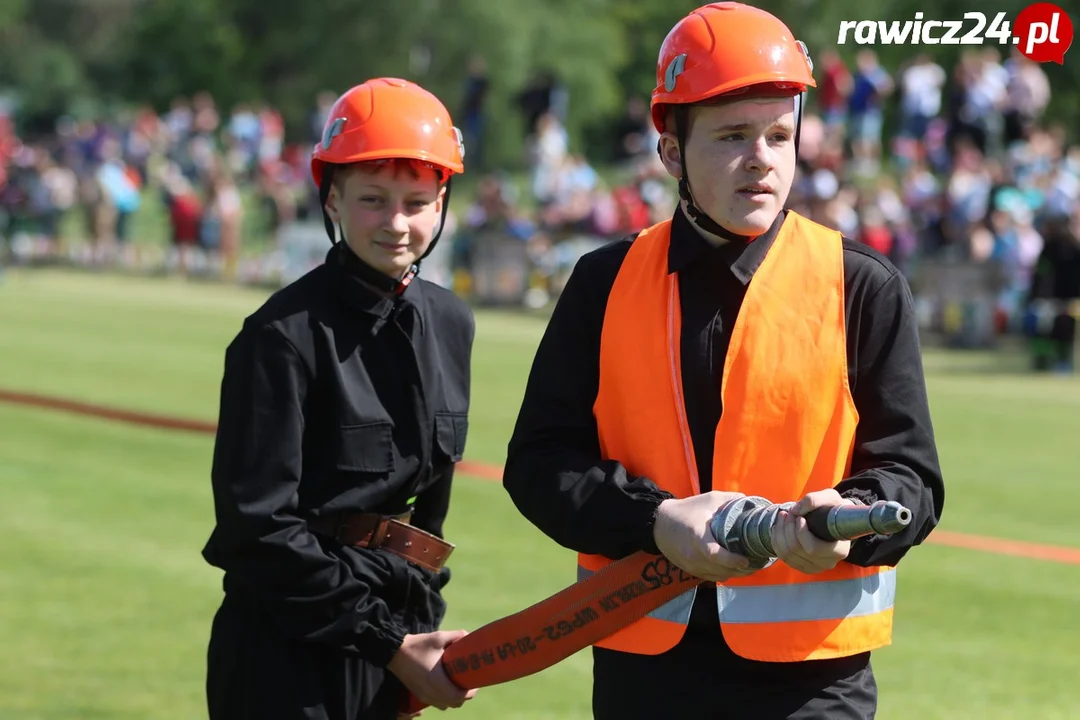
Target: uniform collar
x,y
743,256
364,288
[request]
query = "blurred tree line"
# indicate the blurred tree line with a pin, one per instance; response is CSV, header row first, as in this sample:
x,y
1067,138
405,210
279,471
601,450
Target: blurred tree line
x,y
90,57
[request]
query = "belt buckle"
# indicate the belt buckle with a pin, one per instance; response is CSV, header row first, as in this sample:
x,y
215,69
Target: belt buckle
x,y
382,530
378,534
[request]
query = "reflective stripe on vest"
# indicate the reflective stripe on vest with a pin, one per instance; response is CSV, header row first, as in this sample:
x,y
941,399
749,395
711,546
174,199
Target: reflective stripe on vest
x,y
827,600
784,386
796,602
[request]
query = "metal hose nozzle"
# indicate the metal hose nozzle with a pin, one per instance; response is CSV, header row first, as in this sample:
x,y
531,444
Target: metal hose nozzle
x,y
744,526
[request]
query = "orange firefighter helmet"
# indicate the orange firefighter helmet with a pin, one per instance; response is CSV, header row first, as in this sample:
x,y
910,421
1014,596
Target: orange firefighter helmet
x,y
385,119
728,48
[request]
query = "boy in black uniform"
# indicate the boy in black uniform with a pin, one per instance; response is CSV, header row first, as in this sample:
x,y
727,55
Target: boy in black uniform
x,y
343,410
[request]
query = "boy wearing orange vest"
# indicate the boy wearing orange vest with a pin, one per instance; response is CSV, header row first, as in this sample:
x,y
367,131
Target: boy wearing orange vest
x,y
736,349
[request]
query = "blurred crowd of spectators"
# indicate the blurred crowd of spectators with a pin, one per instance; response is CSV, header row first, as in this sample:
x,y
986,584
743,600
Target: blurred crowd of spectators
x,y
93,181
972,174
968,172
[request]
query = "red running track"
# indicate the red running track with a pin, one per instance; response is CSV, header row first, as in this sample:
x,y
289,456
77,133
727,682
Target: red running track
x,y
982,543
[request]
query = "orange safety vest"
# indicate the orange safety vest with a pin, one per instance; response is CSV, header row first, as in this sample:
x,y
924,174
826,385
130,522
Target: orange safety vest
x,y
787,428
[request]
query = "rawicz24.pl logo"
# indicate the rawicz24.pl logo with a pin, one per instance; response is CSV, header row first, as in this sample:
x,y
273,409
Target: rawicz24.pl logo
x,y
1042,32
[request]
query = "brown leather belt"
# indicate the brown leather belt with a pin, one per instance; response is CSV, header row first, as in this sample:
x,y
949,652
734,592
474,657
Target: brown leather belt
x,y
383,532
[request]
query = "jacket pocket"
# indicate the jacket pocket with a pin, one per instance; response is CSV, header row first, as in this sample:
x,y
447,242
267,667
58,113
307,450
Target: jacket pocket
x,y
450,432
366,448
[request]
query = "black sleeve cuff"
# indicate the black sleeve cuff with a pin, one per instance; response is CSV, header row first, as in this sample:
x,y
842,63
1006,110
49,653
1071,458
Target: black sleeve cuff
x,y
648,540
381,645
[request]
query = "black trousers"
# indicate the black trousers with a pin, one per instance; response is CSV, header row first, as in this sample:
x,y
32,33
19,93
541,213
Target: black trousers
x,y
702,679
254,673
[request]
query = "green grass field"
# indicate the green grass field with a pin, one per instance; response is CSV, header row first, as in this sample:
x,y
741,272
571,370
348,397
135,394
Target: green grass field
x,y
105,603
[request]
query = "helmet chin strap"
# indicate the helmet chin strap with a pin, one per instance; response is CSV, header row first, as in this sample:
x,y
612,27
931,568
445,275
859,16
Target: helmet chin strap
x,y
379,280
698,216
324,195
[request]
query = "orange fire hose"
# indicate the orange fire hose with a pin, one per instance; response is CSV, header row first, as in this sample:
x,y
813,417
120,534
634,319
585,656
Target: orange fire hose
x,y
629,589
570,620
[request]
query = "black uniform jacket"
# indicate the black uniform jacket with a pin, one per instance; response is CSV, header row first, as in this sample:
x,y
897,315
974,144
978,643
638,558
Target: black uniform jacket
x,y
554,472
336,397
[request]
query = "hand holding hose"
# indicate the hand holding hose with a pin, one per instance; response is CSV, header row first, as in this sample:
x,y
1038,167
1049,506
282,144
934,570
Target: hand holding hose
x,y
418,665
683,536
796,545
